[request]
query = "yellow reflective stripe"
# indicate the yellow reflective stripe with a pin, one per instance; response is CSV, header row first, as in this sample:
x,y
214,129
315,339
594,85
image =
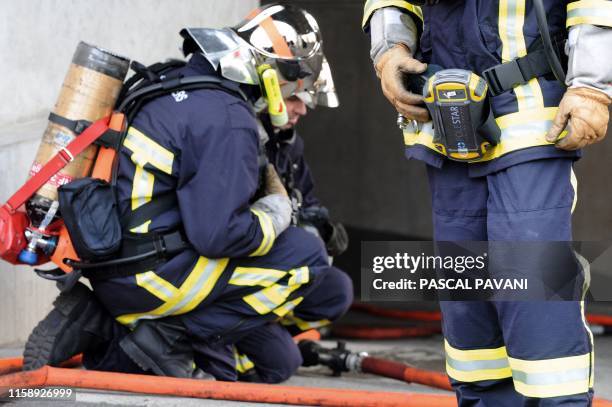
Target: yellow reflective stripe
x,y
267,229
476,364
519,130
274,296
528,117
288,307
557,390
595,12
251,276
511,22
144,228
148,151
156,285
475,354
193,291
574,182
551,377
299,276
372,5
243,363
475,376
550,365
302,324
142,187
586,270
145,151
593,20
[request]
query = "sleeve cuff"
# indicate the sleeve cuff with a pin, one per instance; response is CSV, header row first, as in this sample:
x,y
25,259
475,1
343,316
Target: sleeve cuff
x,y
594,12
268,233
372,5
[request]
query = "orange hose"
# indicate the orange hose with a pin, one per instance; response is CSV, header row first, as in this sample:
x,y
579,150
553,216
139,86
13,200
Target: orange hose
x,y
597,319
311,335
249,392
12,365
367,332
409,374
394,313
23,380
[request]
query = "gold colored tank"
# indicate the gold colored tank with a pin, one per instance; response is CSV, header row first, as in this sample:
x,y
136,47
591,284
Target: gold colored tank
x,y
89,92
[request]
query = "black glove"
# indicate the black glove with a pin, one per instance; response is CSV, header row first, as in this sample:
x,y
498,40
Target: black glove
x,y
337,240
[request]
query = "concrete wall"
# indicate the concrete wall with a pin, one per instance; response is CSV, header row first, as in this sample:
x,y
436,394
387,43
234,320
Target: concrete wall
x,y
37,39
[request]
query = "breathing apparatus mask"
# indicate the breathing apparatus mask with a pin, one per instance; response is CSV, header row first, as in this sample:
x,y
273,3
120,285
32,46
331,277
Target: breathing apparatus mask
x,y
279,48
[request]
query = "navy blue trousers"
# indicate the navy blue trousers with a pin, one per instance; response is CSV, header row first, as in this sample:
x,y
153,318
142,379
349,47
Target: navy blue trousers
x,y
512,353
271,348
303,292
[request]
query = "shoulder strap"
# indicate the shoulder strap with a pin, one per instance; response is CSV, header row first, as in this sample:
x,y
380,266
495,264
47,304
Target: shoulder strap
x,y
148,211
59,161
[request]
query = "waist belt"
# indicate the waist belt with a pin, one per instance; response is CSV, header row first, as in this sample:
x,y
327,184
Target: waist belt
x,y
506,76
137,255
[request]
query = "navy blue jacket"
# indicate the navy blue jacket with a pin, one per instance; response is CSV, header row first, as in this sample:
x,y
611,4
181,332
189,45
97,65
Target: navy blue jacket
x,y
476,35
203,146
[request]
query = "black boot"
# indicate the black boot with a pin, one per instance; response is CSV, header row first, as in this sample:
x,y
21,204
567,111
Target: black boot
x,y
162,346
78,322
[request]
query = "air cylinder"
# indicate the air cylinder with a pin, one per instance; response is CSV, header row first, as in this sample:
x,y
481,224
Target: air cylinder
x,y
89,92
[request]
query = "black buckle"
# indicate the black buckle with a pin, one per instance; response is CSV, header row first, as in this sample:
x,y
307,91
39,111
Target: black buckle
x,y
173,243
81,125
504,77
110,139
77,126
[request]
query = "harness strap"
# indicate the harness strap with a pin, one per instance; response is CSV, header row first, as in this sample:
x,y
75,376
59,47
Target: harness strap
x,y
138,254
506,76
149,210
59,161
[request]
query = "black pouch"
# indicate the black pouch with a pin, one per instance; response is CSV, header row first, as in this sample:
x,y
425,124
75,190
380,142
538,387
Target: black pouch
x,y
89,209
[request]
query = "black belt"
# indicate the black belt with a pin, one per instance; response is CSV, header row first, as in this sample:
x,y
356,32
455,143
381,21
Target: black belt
x,y
138,254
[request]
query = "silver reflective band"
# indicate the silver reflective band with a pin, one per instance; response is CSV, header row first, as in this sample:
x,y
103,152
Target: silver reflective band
x,y
471,366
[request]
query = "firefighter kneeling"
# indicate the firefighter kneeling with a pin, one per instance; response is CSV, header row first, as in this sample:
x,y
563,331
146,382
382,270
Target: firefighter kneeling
x,y
191,161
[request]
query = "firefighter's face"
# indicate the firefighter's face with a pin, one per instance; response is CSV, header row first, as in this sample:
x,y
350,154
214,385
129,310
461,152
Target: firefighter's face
x,y
296,108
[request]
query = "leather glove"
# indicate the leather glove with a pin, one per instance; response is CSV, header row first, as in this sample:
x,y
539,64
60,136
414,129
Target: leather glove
x,y
391,68
337,240
586,110
274,185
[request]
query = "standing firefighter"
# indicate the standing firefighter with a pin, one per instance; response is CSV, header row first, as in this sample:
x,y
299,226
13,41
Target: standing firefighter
x,y
517,184
191,185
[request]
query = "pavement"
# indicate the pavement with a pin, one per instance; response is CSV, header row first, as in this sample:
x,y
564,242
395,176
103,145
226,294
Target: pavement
x,y
424,353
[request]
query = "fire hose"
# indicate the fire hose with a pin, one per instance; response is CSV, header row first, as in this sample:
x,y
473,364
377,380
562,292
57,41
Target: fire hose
x,y
340,359
368,332
246,392
12,365
600,324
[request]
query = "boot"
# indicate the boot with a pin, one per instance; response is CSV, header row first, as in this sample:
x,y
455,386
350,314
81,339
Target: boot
x,y
162,347
76,323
